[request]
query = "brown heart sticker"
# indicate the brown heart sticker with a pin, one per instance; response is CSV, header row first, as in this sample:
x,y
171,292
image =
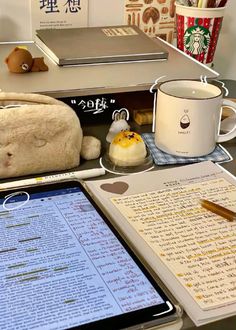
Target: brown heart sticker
x,y
118,187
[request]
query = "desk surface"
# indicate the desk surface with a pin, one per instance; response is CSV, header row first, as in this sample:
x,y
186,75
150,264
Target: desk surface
x,y
98,79
110,78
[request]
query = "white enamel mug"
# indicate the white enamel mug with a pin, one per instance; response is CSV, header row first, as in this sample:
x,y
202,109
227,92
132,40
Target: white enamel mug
x,y
188,116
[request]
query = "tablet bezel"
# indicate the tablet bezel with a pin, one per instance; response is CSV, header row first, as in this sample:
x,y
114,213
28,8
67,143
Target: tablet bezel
x,y
149,316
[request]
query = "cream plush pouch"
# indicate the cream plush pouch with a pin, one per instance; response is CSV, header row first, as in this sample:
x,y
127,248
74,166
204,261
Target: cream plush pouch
x,y
37,134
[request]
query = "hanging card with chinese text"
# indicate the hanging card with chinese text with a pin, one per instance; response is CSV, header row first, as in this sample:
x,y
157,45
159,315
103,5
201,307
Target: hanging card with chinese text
x,y
58,14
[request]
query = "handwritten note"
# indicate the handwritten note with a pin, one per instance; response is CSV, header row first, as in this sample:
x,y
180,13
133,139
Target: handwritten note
x,y
196,245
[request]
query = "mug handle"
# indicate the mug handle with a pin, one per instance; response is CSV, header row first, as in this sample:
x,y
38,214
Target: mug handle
x,y
231,134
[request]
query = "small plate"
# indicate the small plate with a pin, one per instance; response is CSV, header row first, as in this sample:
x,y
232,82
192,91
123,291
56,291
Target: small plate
x,y
110,167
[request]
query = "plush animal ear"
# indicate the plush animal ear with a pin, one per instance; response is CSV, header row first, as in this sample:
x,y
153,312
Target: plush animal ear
x,y
124,114
116,115
14,50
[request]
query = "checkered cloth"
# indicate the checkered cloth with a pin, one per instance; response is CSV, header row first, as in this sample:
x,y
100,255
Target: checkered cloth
x,y
219,155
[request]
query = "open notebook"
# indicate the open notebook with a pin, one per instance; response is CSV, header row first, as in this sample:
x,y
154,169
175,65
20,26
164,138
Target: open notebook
x,y
191,249
92,45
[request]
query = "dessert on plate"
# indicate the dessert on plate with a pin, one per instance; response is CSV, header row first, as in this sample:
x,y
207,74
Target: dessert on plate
x,y
127,149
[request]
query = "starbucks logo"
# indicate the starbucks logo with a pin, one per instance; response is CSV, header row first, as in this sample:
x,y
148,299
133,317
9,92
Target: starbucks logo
x,y
197,39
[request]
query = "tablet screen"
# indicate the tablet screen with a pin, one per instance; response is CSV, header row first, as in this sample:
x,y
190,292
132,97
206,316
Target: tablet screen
x,y
63,266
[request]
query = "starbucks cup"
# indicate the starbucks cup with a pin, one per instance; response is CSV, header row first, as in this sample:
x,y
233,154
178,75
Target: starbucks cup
x,y
198,31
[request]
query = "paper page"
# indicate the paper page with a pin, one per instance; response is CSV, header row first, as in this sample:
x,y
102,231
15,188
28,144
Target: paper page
x,y
196,245
58,14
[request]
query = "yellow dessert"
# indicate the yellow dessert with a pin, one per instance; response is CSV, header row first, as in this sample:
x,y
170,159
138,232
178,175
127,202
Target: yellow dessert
x,y
127,149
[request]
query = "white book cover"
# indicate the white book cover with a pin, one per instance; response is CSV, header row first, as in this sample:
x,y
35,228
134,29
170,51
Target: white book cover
x,y
58,14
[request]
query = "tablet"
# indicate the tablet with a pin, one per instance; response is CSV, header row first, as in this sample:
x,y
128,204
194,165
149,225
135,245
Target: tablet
x,y
63,266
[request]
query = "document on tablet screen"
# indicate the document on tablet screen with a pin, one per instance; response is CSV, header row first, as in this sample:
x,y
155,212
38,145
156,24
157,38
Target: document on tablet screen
x,y
61,265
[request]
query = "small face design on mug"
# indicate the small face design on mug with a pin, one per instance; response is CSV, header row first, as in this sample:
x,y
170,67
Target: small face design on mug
x,y
184,121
